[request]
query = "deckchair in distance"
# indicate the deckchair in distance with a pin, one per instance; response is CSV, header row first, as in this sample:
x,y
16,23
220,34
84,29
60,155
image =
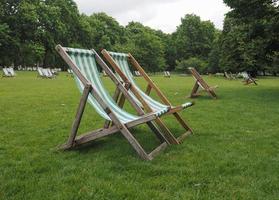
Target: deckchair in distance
x,y
137,73
201,83
11,71
6,73
84,65
40,72
227,76
120,63
247,79
167,74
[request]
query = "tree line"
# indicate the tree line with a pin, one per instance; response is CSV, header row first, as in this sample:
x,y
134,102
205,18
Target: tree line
x,y
30,29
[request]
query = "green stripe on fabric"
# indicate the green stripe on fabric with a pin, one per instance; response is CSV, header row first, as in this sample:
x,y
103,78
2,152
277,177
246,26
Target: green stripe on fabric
x,y
85,61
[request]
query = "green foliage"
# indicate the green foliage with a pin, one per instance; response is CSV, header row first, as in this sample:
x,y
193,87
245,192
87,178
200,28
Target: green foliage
x,y
146,46
250,37
194,38
29,31
195,62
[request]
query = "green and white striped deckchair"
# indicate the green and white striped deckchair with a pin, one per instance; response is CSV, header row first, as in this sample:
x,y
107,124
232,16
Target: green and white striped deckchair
x,y
120,63
247,79
84,65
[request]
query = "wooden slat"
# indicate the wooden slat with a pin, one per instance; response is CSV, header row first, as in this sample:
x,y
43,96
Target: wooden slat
x,y
79,114
156,151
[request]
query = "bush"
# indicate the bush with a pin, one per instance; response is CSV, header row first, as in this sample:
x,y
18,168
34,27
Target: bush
x,y
195,62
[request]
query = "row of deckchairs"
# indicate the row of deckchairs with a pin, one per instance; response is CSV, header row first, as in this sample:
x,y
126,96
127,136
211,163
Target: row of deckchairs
x,y
8,72
84,64
45,73
229,76
247,79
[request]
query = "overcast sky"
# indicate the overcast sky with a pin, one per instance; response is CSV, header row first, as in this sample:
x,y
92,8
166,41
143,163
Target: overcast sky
x,y
158,14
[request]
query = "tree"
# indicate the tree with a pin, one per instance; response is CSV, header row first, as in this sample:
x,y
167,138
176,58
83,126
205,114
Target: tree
x,y
250,39
195,62
145,44
194,38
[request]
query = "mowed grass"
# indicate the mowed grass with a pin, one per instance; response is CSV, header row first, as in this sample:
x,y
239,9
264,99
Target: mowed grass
x,y
234,153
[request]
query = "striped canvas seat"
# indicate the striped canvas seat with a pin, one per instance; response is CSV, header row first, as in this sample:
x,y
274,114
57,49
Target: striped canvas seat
x,y
85,61
122,60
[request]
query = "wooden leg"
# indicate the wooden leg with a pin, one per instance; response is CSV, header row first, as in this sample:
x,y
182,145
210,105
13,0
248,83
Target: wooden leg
x,y
167,133
182,122
194,90
158,133
116,98
135,144
148,89
121,101
78,117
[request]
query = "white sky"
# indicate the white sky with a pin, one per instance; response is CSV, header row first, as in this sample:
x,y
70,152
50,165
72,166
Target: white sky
x,y
158,14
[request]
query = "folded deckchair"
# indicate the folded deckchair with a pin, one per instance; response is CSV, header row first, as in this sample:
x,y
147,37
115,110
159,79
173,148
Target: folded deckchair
x,y
84,65
201,83
120,63
167,74
247,79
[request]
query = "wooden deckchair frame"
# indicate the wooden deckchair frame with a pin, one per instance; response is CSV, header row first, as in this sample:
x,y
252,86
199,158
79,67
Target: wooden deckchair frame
x,y
117,125
167,74
150,85
249,80
201,83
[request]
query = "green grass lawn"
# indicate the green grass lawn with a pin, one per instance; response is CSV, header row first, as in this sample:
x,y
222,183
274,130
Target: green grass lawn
x,y
234,153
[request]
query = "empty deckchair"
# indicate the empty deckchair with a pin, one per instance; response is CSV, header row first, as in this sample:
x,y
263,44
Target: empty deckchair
x,y
84,65
167,74
247,79
41,73
49,73
120,63
137,73
11,71
6,73
227,76
201,83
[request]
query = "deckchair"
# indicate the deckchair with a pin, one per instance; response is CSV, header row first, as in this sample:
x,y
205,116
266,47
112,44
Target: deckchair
x,y
247,79
40,72
201,83
84,65
11,71
227,76
167,74
137,73
6,73
49,73
120,63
